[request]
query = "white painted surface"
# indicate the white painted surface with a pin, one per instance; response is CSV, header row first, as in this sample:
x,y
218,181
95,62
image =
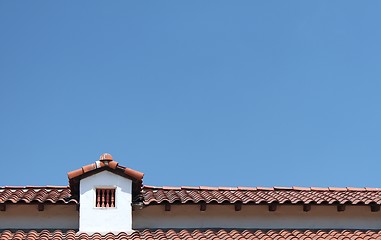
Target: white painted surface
x,y
256,217
103,220
20,216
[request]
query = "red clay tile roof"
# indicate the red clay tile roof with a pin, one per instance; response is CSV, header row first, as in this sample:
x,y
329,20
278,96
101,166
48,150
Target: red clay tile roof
x,y
105,163
260,195
36,194
162,195
196,234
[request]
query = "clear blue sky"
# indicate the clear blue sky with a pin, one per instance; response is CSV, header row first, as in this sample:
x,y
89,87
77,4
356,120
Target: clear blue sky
x,y
217,93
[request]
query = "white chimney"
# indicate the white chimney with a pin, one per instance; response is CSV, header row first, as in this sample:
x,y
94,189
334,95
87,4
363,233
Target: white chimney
x,y
105,192
97,212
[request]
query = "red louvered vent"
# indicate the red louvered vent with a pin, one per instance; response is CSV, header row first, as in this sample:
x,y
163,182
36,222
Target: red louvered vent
x,y
105,197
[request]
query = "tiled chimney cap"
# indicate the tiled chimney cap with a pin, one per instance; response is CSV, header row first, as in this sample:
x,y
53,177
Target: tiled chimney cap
x,y
105,162
105,157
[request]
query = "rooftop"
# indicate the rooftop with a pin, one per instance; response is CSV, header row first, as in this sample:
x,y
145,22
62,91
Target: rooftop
x,y
210,195
195,234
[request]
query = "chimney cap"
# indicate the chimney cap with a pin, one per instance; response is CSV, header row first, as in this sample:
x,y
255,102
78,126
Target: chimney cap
x,y
105,157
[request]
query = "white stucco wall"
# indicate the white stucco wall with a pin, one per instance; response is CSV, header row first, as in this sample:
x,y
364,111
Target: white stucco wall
x,y
23,216
93,219
256,217
20,216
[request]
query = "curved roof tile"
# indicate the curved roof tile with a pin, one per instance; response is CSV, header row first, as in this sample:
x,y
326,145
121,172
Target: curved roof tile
x,y
196,234
105,162
40,194
194,195
281,195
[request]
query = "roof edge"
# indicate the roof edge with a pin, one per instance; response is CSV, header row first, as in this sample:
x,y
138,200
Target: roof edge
x,y
277,188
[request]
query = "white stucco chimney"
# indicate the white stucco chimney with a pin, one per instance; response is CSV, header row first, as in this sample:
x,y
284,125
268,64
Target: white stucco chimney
x,y
105,192
93,218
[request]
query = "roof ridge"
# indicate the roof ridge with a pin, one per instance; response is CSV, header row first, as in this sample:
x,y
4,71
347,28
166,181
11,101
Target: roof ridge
x,y
221,188
258,188
106,162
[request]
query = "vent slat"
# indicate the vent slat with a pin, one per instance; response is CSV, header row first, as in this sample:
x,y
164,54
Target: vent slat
x,y
112,198
105,198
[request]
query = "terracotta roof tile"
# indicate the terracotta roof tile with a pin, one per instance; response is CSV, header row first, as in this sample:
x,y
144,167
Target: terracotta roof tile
x,y
259,195
212,195
337,189
247,188
265,188
227,188
105,162
186,187
282,188
133,173
319,189
355,189
171,188
208,188
40,194
178,234
301,188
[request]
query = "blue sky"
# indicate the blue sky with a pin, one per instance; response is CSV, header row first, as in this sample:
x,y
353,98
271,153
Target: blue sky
x,y
217,93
